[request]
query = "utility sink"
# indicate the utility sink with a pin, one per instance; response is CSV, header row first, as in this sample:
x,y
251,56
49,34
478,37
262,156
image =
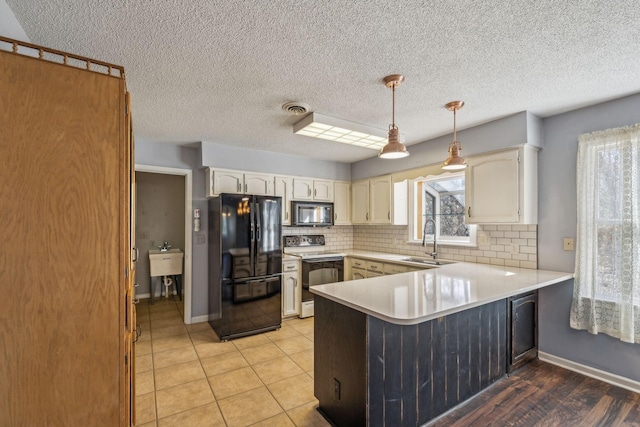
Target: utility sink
x,y
428,261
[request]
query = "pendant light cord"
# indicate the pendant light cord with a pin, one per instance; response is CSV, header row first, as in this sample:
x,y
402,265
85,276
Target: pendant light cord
x,y
393,106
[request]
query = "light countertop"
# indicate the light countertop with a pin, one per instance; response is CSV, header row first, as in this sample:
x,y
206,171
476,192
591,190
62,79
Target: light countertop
x,y
419,296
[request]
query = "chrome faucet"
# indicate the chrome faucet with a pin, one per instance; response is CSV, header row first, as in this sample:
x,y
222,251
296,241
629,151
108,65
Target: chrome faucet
x,y
434,254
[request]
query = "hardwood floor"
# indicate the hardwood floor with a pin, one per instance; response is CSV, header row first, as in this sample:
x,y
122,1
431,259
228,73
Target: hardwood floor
x,y
541,394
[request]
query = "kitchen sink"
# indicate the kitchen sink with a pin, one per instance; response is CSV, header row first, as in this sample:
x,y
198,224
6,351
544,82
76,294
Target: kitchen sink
x,y
429,261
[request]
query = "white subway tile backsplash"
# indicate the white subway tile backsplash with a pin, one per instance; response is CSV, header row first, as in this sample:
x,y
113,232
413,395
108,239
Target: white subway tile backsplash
x,y
510,245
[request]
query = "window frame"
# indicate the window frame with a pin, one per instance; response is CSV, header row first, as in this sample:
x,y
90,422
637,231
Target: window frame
x,y
416,201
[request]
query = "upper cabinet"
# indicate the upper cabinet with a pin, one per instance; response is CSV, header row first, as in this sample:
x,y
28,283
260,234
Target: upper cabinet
x,y
283,188
371,201
502,187
342,203
232,181
312,189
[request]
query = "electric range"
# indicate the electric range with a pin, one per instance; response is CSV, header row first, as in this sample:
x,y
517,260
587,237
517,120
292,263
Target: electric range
x,y
319,266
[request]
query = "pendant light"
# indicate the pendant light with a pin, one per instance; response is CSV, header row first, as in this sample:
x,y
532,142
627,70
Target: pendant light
x,y
455,161
394,148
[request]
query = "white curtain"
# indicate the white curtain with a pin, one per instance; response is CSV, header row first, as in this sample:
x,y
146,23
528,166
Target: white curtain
x,y
606,296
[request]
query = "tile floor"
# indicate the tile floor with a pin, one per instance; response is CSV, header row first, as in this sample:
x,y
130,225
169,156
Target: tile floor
x,y
186,377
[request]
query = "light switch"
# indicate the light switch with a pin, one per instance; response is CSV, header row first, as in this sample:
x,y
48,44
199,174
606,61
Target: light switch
x,y
568,244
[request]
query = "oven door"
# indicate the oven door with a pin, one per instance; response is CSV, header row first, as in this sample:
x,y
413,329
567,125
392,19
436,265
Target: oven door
x,y
318,271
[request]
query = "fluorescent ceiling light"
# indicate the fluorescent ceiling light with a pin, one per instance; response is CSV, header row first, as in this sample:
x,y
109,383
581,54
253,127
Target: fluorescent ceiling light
x,y
324,127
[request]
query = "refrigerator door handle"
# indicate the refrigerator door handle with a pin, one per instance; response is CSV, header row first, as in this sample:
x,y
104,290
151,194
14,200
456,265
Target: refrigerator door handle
x,y
258,227
252,245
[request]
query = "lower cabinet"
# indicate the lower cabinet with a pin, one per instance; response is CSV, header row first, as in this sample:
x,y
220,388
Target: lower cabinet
x,y
290,288
523,326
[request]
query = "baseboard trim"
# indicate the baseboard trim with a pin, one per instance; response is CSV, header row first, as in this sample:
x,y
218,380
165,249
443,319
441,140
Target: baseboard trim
x,y
200,319
598,374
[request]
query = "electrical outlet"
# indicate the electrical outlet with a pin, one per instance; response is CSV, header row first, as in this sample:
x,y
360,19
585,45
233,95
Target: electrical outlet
x,y
336,389
568,244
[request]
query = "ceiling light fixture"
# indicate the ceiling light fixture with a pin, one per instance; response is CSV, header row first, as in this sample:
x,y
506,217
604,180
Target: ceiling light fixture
x,y
394,148
324,127
455,161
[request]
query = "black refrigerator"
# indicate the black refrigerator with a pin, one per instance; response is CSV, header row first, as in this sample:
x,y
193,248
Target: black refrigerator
x,y
245,264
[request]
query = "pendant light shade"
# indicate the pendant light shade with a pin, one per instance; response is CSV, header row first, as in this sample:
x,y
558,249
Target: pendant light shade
x,y
394,148
455,161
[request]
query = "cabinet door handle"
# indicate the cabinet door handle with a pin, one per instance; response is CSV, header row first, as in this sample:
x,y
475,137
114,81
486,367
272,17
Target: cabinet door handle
x,y
239,187
286,215
295,283
137,256
335,217
469,211
389,215
309,192
367,216
315,192
246,188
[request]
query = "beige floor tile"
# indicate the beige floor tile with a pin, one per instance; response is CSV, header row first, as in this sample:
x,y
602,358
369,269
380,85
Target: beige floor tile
x,y
144,383
183,397
303,327
145,408
169,343
284,332
304,359
145,334
277,369
308,416
295,344
160,304
309,337
169,331
166,323
249,407
204,337
223,363
262,353
198,327
162,359
178,374
144,363
214,348
149,424
168,314
293,392
234,382
250,341
280,420
202,416
311,374
143,347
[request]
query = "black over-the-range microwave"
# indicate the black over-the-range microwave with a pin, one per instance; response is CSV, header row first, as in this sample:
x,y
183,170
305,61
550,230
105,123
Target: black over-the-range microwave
x,y
311,214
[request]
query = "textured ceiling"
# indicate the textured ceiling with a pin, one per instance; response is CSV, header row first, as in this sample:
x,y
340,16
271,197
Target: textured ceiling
x,y
219,71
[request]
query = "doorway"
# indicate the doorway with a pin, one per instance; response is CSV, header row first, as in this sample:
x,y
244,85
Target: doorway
x,y
167,194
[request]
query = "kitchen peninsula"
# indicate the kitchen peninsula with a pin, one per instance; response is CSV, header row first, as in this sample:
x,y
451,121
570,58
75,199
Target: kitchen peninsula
x,y
400,350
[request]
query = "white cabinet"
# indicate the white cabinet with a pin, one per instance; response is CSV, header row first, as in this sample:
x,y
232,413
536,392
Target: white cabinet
x,y
260,184
283,188
291,293
223,181
360,202
501,187
342,203
232,181
380,199
371,201
312,189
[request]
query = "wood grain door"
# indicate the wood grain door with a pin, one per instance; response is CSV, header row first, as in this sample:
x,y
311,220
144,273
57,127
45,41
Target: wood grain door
x,y
64,213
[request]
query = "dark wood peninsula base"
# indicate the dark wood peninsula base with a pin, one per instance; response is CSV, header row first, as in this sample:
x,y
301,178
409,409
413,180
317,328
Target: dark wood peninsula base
x,y
369,372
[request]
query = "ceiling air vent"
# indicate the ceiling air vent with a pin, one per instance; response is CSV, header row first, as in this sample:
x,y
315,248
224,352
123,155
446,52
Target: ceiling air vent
x,y
296,108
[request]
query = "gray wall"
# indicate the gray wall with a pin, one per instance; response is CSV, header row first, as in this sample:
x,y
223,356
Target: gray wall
x,y
229,157
513,130
557,219
159,218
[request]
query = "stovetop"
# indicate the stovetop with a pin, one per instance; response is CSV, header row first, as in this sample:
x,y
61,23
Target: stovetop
x,y
308,246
